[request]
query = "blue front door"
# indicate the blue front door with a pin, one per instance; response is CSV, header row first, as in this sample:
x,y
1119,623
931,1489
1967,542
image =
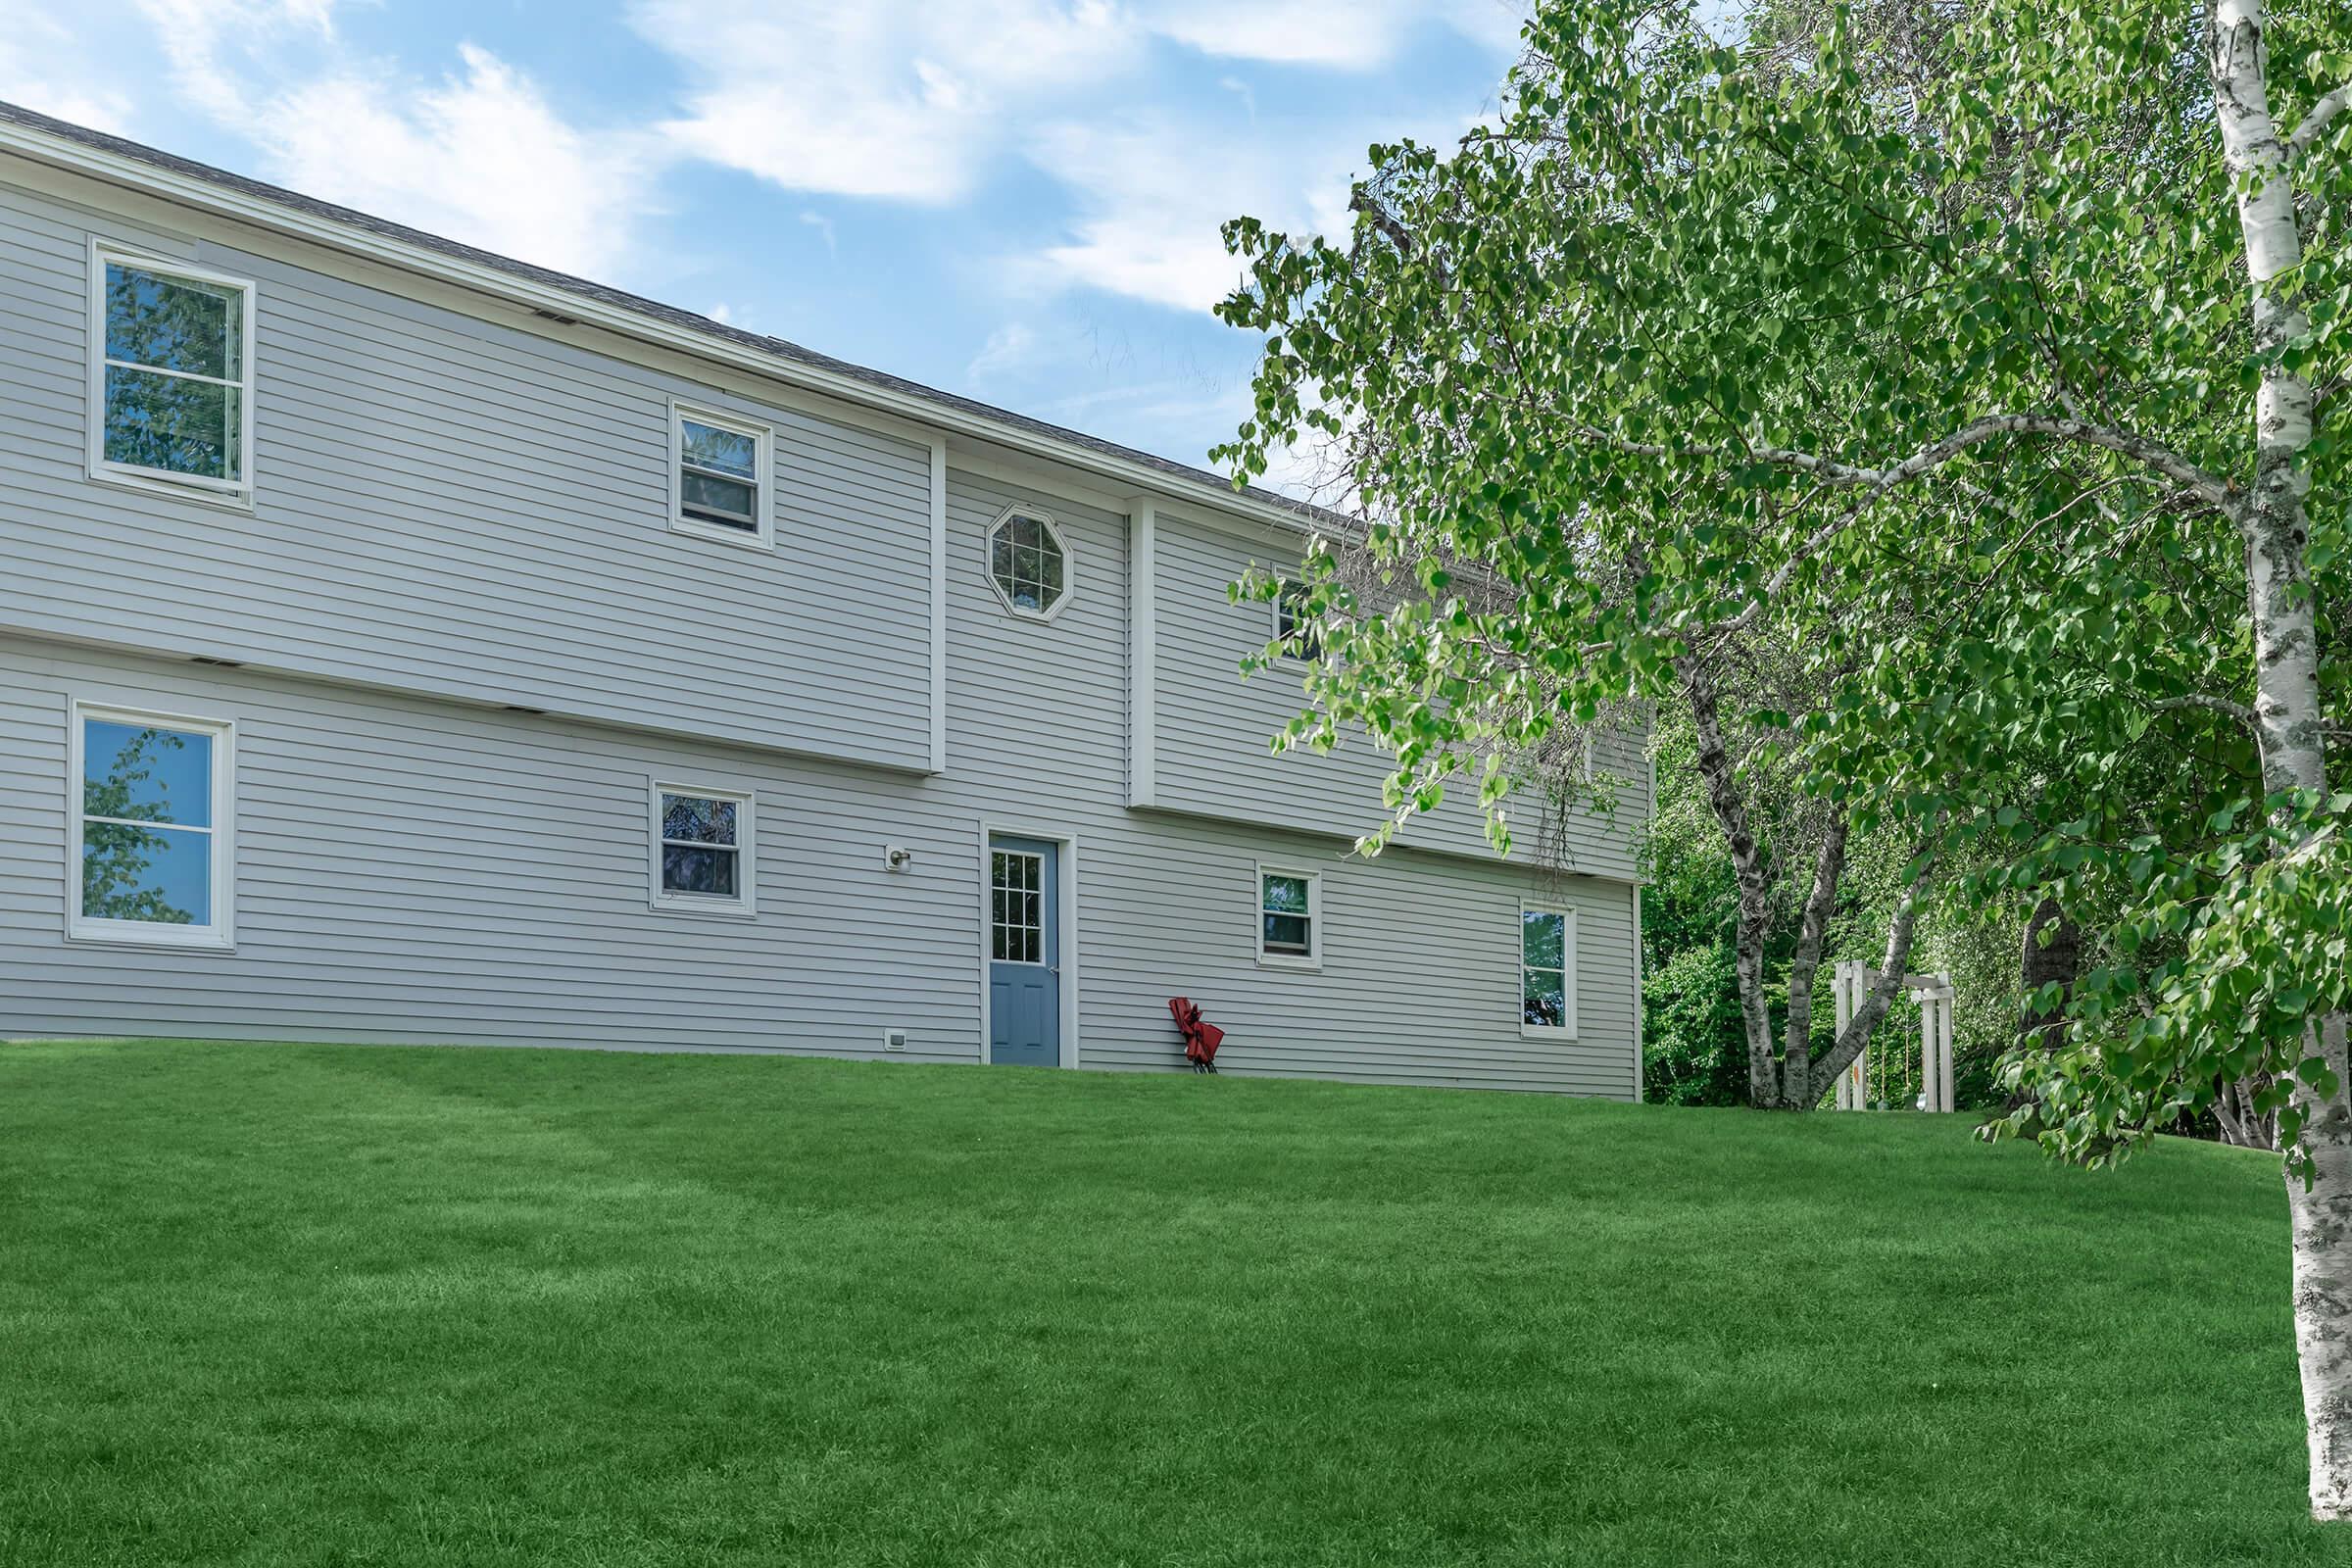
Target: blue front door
x,y
1024,953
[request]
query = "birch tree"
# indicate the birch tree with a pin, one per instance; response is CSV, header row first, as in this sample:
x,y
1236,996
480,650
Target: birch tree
x,y
2008,392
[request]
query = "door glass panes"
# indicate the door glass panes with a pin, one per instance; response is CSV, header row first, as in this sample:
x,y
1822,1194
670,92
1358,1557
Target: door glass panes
x,y
146,823
1026,558
1016,906
175,374
1543,968
700,850
1286,906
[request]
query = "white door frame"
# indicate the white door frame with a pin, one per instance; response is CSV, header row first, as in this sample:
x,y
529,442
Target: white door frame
x,y
1066,941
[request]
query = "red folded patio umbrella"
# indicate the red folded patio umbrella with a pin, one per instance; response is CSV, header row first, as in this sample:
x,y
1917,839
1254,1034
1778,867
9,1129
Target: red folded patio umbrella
x,y
1200,1040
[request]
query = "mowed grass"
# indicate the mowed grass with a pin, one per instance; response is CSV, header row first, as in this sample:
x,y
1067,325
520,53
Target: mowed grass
x,y
335,1305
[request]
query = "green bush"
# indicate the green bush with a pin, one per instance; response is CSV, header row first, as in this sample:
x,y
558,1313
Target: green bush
x,y
1694,1051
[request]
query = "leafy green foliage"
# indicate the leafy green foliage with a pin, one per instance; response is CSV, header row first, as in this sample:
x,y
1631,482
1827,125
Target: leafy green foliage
x,y
1944,381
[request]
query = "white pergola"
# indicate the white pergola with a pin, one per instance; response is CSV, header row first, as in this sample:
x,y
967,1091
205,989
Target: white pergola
x,y
1934,994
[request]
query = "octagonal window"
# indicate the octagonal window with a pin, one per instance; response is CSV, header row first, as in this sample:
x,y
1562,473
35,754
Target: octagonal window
x,y
1029,564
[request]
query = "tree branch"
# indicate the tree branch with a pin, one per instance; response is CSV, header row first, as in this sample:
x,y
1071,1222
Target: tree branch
x,y
2221,704
2211,488
2218,492
2315,123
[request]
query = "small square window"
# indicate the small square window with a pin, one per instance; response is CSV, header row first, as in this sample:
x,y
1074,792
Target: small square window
x,y
1290,917
721,476
150,808
702,850
170,376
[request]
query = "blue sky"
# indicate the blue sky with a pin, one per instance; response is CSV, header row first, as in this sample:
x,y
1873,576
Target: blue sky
x,y
1018,200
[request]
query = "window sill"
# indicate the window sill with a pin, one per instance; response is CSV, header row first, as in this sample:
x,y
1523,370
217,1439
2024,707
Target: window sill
x,y
220,944
721,534
1544,1031
713,909
1279,960
154,482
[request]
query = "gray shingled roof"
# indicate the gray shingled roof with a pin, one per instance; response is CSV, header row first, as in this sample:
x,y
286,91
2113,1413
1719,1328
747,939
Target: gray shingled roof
x,y
652,309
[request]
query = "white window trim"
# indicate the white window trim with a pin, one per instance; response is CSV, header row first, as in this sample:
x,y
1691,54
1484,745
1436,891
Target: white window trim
x,y
1069,564
1538,1031
765,461
744,904
219,936
1310,959
236,493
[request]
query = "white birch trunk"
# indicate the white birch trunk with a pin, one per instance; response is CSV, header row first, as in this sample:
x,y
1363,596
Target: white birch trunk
x,y
2290,723
2321,1213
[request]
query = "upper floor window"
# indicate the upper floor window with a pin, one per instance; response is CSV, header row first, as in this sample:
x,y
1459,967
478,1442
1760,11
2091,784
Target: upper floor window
x,y
1290,917
702,850
721,476
150,824
1548,971
171,376
1028,564
1294,628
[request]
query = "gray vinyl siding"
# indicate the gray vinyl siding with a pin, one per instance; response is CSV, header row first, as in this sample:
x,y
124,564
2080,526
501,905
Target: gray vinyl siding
x,y
412,870
1214,727
448,506
453,515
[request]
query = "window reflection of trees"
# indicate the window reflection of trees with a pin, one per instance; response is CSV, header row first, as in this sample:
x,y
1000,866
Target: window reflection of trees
x,y
119,856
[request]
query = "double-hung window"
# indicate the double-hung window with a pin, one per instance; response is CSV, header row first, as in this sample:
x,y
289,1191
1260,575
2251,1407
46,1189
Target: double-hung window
x,y
721,466
702,850
170,376
1294,630
1548,971
150,810
1290,917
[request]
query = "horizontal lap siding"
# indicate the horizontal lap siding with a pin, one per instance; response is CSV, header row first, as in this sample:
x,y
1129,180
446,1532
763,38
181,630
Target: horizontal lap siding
x,y
451,507
1213,728
459,511
411,870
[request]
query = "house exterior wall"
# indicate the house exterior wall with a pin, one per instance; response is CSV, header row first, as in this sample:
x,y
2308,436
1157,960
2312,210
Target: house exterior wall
x,y
455,515
450,505
1212,728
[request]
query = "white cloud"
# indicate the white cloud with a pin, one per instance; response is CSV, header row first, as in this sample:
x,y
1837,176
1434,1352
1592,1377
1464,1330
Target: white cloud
x,y
1149,226
214,45
1335,34
479,156
1008,348
895,98
824,227
45,66
920,100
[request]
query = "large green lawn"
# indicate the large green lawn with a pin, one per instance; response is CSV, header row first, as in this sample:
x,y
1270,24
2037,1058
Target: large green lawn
x,y
265,1304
